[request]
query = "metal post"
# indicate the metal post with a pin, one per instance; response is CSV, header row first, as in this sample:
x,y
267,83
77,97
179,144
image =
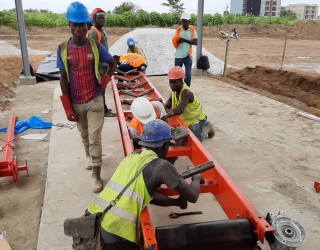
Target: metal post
x,y
284,51
199,30
22,36
226,57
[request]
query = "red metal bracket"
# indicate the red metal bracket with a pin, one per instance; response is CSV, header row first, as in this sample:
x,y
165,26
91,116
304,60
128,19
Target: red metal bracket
x,y
317,186
8,164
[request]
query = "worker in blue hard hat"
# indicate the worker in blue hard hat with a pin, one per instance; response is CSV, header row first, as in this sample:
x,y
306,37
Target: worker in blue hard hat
x,y
82,86
133,48
121,224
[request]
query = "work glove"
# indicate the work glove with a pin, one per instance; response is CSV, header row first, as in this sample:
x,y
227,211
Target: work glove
x,y
183,203
66,103
104,81
197,176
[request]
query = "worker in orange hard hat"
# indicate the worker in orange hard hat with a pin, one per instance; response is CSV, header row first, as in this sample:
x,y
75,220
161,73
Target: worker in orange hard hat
x,y
185,104
97,33
184,38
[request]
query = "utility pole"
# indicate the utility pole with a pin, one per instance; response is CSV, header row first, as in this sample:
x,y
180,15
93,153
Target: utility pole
x,y
199,30
27,79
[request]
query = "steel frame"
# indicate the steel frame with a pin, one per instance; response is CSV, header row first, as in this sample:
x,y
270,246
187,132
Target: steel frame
x,y
233,202
8,164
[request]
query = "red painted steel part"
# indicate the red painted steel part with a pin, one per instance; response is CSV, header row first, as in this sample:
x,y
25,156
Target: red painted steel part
x,y
234,203
8,164
317,186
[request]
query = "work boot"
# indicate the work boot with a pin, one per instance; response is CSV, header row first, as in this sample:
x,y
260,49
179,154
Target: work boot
x,y
208,130
88,163
96,183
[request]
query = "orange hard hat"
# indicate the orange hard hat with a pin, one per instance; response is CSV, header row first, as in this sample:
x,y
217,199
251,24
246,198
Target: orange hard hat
x,y
96,10
176,72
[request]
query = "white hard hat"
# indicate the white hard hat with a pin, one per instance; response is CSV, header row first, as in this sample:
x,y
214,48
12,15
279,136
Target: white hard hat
x,y
143,110
185,15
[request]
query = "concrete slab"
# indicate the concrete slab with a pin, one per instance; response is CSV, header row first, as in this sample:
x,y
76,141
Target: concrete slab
x,y
156,44
68,187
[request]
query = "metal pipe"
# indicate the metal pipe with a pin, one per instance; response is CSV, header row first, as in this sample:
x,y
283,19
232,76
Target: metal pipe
x,y
22,36
284,51
226,57
199,30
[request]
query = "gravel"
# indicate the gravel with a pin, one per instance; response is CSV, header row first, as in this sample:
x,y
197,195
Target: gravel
x,y
7,49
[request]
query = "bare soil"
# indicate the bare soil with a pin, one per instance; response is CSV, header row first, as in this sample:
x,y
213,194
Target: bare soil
x,y
257,55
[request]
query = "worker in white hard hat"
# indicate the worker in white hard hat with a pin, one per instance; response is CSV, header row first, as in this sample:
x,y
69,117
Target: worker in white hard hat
x,y
144,111
184,38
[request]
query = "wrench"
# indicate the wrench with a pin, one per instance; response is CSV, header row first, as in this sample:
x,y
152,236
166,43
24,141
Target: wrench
x,y
177,215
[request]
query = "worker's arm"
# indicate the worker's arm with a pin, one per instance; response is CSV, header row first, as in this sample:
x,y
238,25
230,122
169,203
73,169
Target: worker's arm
x,y
192,42
168,103
191,191
64,84
186,97
112,66
165,201
92,34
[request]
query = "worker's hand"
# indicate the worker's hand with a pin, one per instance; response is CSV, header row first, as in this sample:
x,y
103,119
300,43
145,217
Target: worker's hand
x,y
180,40
66,103
199,178
170,113
104,81
183,203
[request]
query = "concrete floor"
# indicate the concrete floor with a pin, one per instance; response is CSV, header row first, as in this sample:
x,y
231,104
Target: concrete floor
x,y
270,153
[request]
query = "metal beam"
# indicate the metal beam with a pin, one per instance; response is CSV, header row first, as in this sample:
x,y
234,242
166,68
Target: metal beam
x,y
199,29
22,37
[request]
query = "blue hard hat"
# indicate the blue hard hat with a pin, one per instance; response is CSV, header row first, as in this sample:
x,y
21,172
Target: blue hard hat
x,y
77,13
131,42
155,134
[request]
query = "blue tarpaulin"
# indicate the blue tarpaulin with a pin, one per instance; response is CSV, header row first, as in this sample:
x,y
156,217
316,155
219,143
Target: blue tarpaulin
x,y
33,122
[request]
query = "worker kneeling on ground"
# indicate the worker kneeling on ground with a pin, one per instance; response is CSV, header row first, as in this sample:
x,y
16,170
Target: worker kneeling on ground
x,y
120,227
131,61
185,104
145,111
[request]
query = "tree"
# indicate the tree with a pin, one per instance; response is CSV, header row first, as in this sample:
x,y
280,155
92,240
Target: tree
x,y
289,14
175,6
124,7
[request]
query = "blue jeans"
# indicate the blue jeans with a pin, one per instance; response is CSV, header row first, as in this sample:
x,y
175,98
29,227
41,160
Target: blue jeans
x,y
187,62
197,127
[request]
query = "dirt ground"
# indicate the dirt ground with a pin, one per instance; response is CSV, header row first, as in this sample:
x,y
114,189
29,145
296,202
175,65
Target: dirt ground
x,y
259,45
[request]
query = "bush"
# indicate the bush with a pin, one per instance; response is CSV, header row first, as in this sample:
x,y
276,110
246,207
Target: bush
x,y
139,19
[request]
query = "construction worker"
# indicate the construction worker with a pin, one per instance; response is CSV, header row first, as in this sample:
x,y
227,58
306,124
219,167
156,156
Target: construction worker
x,y
131,61
133,48
184,38
97,33
82,85
120,227
185,104
144,111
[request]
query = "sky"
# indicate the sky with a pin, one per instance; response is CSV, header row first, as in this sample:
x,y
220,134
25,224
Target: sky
x,y
60,6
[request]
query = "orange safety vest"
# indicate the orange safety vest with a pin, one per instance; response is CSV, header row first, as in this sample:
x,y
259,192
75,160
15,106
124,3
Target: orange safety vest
x,y
135,60
97,31
138,126
177,36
